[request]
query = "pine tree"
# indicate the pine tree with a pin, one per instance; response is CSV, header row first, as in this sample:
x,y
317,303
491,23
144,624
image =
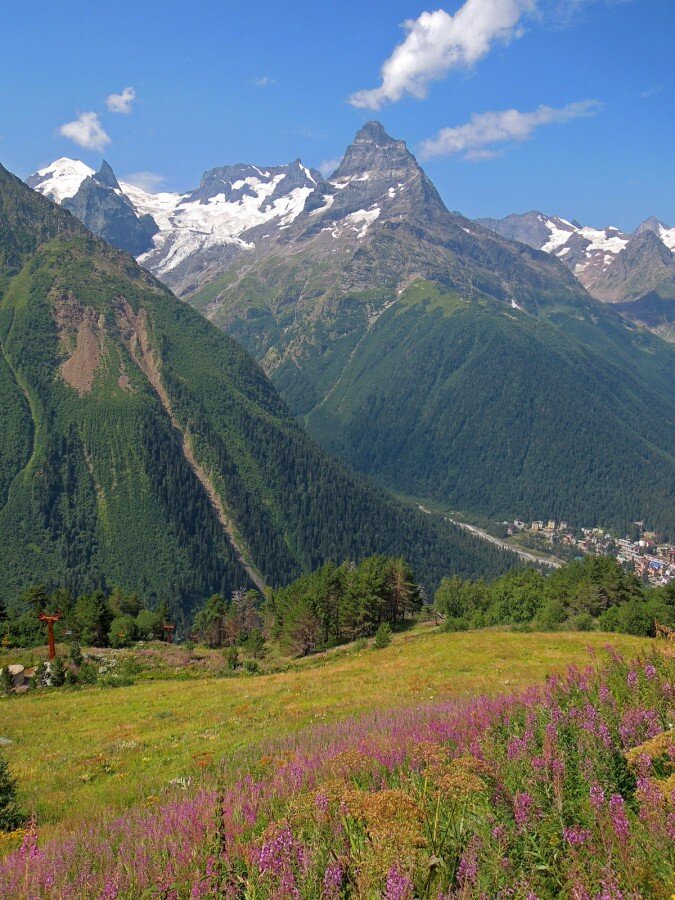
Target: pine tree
x,y
11,816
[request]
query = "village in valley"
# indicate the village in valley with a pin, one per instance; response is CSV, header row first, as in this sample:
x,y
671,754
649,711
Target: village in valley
x,y
652,560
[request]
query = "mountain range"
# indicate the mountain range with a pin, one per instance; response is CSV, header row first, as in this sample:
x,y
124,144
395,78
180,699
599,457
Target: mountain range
x,y
444,359
143,447
636,272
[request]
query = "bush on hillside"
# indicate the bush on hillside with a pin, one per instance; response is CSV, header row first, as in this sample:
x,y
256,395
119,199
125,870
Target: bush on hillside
x,y
382,636
123,631
11,816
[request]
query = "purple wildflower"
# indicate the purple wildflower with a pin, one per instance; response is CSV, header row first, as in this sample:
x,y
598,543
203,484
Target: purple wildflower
x,y
575,835
399,885
618,817
332,879
650,671
597,797
632,679
522,807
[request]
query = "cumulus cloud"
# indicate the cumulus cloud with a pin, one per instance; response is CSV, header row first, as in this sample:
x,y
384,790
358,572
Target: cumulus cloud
x,y
121,103
150,182
263,81
328,166
437,42
86,131
503,127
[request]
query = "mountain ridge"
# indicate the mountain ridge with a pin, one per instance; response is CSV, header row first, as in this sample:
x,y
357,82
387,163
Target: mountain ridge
x,y
130,423
371,305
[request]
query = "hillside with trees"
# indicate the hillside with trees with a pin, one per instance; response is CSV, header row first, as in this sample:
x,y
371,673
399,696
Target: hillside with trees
x,y
144,448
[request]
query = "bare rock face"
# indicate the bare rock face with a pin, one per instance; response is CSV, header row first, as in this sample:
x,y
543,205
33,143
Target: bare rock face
x,y
613,266
643,265
105,210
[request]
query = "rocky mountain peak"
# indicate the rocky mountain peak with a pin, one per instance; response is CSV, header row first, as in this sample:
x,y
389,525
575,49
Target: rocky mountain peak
x,y
107,177
651,224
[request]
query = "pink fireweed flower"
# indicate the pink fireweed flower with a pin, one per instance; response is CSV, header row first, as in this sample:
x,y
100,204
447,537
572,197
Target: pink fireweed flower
x,y
575,835
399,886
109,891
597,797
332,880
522,808
617,813
321,802
650,671
632,679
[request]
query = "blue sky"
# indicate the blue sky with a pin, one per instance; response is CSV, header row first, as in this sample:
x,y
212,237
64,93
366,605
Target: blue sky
x,y
589,84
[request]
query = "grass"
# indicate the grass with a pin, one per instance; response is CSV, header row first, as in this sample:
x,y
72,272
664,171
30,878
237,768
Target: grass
x,y
76,752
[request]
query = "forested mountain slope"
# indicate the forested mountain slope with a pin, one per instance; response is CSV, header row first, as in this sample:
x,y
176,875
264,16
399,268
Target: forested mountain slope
x,y
143,447
452,363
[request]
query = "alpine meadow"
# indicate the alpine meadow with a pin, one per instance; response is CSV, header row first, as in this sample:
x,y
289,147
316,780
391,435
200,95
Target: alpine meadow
x,y
337,483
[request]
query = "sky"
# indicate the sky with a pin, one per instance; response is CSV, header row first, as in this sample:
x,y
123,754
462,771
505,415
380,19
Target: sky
x,y
567,106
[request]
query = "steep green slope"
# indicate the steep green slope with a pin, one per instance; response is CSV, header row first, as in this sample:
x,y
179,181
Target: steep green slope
x,y
143,447
507,414
449,362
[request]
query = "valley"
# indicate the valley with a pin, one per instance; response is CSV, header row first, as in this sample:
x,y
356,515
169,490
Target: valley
x,y
442,357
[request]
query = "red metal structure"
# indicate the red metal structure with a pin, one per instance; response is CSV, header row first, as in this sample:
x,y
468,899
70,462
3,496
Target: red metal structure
x,y
168,632
50,619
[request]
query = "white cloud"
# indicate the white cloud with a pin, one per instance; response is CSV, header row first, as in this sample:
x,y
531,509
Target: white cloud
x,y
263,81
485,129
121,103
86,131
651,91
437,42
328,166
150,182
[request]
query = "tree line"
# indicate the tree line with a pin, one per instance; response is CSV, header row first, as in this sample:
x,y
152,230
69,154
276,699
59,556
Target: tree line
x,y
329,606
595,592
96,619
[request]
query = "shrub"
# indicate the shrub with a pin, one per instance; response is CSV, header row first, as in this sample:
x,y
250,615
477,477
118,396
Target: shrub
x,y
251,666
58,678
552,615
87,673
6,681
75,654
255,644
456,623
148,625
382,636
123,631
583,622
10,813
232,658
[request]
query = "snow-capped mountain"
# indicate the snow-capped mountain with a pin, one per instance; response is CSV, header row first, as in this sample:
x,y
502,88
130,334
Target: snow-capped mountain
x,y
187,236
605,259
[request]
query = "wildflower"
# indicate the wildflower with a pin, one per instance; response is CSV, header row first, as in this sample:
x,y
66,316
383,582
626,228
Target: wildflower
x,y
321,802
597,797
522,807
458,785
575,835
467,871
650,671
618,817
332,879
391,816
399,885
109,891
632,679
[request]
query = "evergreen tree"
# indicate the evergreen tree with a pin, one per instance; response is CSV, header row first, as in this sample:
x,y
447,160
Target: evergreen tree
x,y
11,816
